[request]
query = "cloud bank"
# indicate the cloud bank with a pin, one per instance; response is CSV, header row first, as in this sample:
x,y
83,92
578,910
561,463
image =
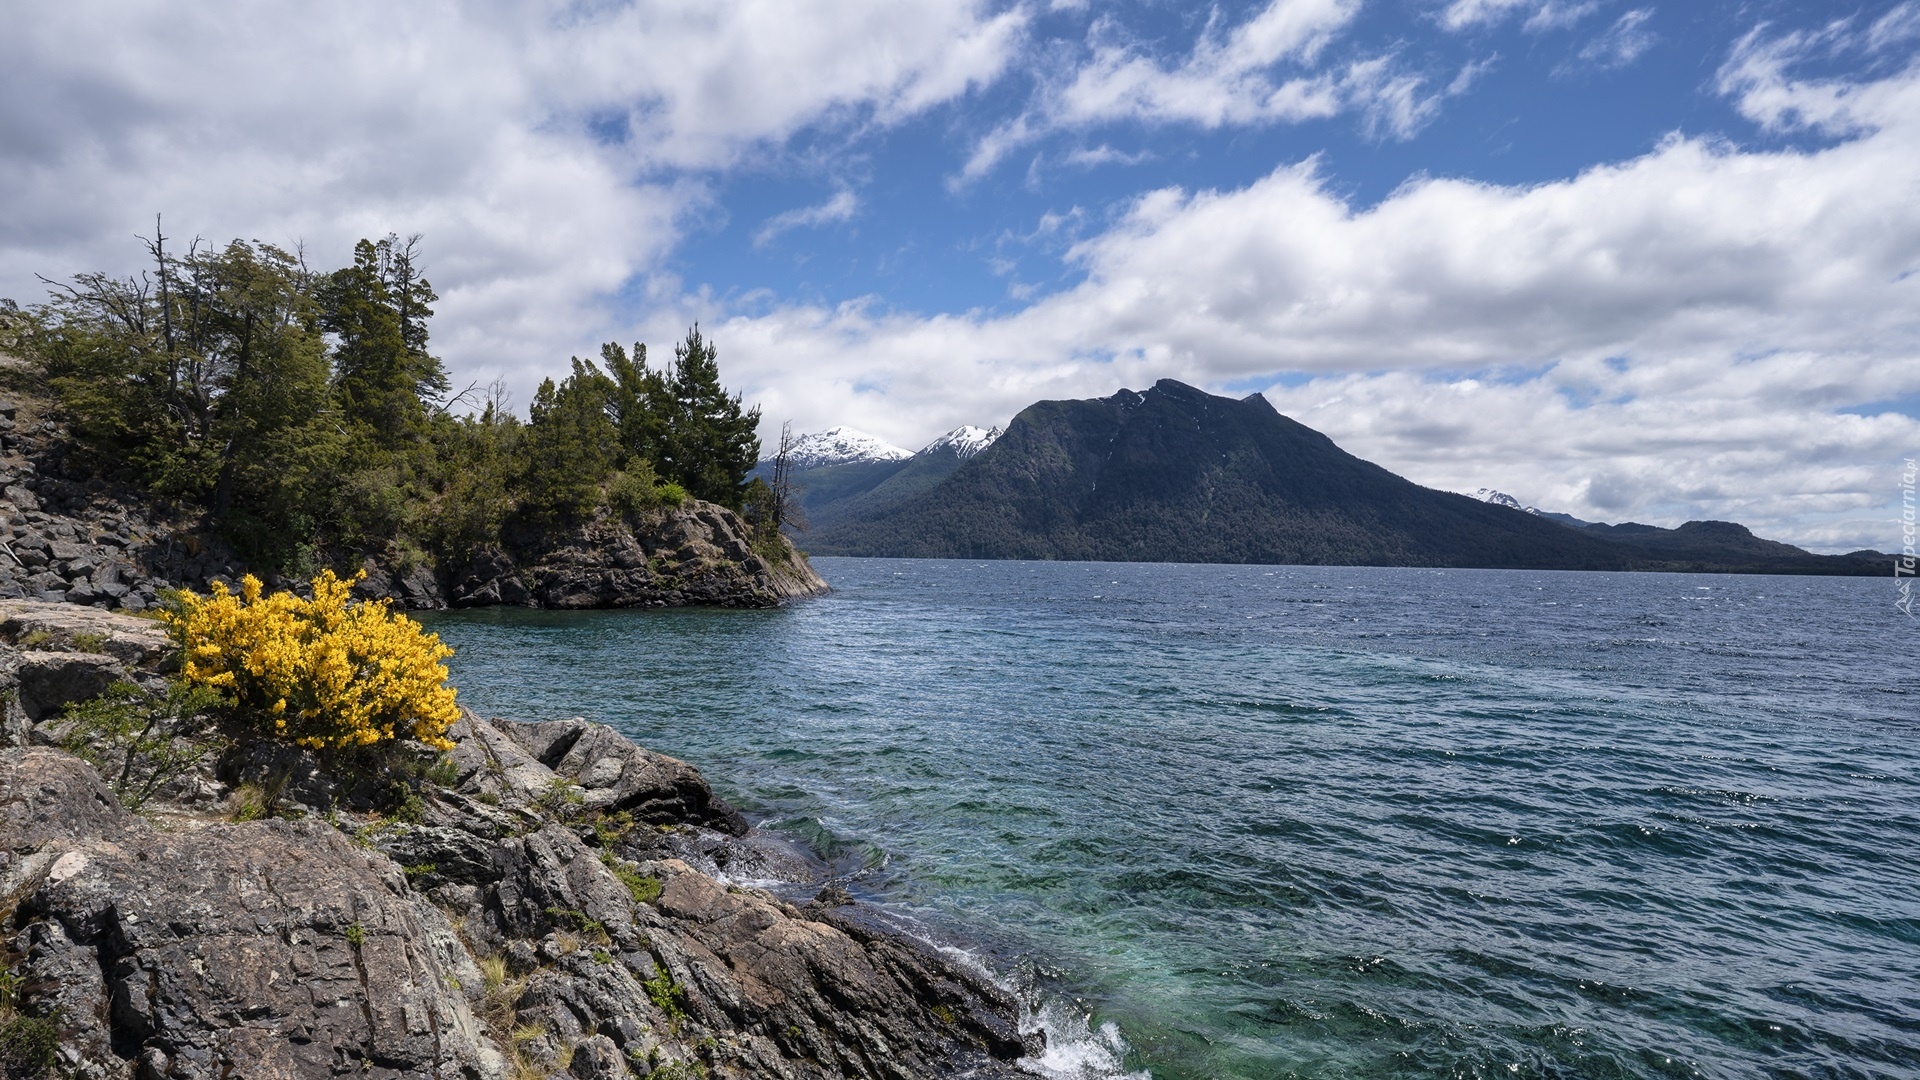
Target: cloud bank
x,y
1706,330
1690,333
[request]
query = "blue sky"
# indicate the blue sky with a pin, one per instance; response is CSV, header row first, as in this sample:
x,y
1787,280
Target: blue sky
x,y
1537,100
1631,260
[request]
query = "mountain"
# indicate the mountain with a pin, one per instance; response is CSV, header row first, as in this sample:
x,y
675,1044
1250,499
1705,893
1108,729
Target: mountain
x,y
832,489
964,442
841,445
1501,498
1174,474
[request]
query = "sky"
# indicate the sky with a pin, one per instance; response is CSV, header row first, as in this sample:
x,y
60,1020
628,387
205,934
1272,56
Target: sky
x,y
1626,259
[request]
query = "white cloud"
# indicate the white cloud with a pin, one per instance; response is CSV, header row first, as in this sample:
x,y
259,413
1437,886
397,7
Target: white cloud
x,y
1748,296
1223,81
1623,42
1556,15
548,151
1390,101
840,207
1090,157
1896,27
1227,79
1465,14
1542,15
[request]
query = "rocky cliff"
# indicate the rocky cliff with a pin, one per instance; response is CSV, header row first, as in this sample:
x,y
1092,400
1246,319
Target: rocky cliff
x,y
544,902
82,541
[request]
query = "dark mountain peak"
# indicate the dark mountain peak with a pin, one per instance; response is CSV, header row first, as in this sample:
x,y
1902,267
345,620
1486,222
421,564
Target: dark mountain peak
x,y
1721,530
1175,474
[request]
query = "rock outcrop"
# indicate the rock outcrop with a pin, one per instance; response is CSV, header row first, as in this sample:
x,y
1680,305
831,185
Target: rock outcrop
x,y
86,543
524,908
696,553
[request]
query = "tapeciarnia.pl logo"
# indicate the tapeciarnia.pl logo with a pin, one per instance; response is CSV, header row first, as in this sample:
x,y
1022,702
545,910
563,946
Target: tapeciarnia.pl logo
x,y
1903,566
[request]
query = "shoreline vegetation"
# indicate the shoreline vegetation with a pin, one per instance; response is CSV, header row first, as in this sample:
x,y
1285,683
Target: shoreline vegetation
x,y
231,410
222,849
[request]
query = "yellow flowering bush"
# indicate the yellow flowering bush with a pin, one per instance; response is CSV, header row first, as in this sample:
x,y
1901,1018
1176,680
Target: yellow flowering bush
x,y
328,673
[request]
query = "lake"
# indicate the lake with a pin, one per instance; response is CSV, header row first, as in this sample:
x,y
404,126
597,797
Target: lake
x,y
1257,821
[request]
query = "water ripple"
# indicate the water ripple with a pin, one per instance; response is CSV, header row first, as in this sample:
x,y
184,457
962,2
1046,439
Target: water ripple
x,y
1331,822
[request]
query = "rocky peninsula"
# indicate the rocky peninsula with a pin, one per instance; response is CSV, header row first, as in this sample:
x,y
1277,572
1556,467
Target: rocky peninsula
x,y
67,536
547,900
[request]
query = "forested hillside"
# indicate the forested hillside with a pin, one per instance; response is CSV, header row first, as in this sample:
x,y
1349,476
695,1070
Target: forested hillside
x,y
304,413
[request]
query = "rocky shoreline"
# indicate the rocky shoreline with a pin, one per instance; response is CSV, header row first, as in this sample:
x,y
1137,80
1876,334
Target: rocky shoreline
x,y
85,542
528,906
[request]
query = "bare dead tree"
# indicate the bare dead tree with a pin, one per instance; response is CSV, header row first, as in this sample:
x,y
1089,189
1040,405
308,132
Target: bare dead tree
x,y
786,501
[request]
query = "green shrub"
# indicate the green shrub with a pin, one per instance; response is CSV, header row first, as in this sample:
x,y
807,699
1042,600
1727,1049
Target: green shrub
x,y
645,889
89,643
137,741
667,996
28,1045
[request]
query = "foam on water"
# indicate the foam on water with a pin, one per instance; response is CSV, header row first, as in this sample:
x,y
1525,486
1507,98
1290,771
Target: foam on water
x,y
1076,1050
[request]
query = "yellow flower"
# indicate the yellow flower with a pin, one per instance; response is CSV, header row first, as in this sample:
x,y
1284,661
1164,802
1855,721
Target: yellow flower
x,y
330,672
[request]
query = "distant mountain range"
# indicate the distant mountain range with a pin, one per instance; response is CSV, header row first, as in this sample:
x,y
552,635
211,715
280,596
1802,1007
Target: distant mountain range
x,y
843,473
1501,498
1174,474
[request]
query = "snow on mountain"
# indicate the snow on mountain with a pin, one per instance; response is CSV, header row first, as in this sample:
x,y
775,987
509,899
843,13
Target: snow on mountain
x,y
964,441
1501,498
840,445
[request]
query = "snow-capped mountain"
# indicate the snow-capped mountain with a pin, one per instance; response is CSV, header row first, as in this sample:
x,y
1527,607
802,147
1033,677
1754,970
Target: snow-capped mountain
x,y
963,441
1501,498
839,445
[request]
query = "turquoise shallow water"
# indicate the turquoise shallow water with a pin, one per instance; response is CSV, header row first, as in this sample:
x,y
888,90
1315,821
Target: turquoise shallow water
x,y
1329,822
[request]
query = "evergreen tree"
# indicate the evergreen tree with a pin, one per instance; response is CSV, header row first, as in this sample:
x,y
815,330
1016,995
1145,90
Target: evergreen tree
x,y
714,444
571,446
379,308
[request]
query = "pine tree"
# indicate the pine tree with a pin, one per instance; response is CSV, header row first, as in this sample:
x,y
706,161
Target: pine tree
x,y
715,444
379,308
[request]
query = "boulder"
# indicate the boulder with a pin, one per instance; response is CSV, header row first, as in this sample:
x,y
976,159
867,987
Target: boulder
x,y
133,641
48,681
615,775
270,949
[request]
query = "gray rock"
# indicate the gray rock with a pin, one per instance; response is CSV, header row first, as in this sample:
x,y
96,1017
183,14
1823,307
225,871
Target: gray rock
x,y
270,949
65,551
138,642
615,775
281,949
599,1058
697,553
48,681
454,854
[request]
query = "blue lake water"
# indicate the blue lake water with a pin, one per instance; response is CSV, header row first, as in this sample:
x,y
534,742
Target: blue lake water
x,y
1243,821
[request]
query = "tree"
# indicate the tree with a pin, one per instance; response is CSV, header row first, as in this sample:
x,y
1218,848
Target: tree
x,y
209,384
378,307
571,445
714,444
681,419
784,500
